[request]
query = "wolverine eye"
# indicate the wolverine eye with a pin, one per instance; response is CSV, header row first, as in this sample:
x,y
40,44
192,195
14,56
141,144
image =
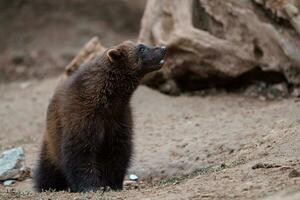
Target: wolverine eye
x,y
142,49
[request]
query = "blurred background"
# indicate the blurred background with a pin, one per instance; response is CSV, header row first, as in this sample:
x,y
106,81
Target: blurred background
x,y
241,46
39,38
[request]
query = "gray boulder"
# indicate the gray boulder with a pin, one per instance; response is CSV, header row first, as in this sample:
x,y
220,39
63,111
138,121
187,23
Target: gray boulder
x,y
12,164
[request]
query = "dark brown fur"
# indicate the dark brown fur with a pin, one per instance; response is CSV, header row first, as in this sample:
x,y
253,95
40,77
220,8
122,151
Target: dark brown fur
x,y
88,139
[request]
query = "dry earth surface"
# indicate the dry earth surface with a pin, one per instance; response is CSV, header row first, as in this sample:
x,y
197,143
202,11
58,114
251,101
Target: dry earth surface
x,y
187,147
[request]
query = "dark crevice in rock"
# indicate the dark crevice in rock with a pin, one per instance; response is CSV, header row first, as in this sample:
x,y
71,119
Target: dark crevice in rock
x,y
154,80
203,21
190,82
257,50
265,14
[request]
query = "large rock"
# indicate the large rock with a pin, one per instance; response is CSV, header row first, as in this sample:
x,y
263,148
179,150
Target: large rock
x,y
12,165
90,50
215,42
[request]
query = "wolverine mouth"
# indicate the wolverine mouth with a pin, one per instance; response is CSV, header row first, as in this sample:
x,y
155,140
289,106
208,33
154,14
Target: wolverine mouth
x,y
163,51
158,65
154,59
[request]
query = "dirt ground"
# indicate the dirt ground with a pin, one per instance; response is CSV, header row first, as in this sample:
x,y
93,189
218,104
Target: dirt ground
x,y
186,147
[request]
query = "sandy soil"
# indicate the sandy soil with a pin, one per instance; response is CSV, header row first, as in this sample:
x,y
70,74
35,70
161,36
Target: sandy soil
x,y
186,147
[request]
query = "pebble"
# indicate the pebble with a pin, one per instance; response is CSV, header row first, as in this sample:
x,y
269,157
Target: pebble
x,y
294,174
8,182
133,177
25,85
130,184
12,164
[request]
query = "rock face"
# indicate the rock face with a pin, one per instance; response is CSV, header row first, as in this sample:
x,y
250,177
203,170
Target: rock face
x,y
12,165
90,50
216,42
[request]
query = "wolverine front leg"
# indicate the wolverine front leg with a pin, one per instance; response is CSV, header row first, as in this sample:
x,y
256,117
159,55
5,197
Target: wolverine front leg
x,y
79,167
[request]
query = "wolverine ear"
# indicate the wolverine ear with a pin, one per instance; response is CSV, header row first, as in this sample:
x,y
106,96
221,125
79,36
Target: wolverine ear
x,y
113,55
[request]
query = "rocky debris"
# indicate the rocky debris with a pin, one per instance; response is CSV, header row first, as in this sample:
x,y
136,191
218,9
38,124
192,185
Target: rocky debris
x,y
294,174
279,90
130,184
8,182
265,166
267,92
213,43
12,165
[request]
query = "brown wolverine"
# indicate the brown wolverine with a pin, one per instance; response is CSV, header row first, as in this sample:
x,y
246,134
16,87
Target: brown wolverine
x,y
88,141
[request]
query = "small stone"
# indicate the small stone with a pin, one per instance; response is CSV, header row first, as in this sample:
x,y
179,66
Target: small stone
x,y
294,174
223,166
8,182
262,98
296,92
12,164
175,183
133,177
170,87
25,85
279,90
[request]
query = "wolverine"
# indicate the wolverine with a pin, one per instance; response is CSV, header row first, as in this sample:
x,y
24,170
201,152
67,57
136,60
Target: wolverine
x,y
88,141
